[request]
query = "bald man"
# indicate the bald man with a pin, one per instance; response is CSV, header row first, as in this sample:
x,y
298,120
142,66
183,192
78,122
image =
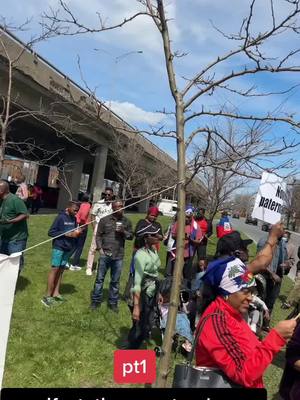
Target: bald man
x,y
13,223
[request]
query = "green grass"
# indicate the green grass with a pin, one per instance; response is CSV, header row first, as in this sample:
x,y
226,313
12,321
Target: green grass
x,y
68,345
273,374
65,346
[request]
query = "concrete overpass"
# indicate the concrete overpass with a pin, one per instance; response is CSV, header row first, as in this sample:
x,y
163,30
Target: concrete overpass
x,y
57,113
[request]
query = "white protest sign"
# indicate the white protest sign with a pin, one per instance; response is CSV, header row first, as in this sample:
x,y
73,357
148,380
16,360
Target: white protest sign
x,y
270,198
9,268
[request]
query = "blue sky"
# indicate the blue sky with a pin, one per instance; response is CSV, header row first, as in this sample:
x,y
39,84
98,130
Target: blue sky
x,y
135,84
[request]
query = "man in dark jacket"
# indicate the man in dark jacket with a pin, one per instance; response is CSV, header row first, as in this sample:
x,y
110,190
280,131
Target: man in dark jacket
x,y
62,248
112,232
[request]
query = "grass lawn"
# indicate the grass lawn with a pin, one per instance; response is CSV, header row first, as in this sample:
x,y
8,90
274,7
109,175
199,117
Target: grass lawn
x,y
69,345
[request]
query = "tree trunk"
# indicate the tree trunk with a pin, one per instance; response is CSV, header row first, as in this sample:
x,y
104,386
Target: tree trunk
x,y
165,359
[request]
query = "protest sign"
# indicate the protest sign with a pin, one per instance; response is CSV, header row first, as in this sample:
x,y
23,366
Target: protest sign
x,y
9,268
270,198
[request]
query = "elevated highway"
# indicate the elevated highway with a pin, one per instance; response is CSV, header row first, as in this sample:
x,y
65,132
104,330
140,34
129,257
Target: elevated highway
x,y
57,113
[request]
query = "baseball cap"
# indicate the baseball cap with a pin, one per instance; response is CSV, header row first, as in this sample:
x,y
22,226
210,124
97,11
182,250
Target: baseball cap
x,y
232,242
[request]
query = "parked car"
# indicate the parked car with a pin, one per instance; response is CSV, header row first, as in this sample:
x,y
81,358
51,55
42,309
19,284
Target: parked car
x,y
167,207
265,227
236,215
250,220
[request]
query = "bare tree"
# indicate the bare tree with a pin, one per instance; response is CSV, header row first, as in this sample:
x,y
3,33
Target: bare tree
x,y
129,165
136,173
7,115
243,203
249,47
12,111
291,203
220,187
231,157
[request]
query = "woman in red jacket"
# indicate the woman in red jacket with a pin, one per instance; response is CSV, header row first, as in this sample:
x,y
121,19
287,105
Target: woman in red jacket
x,y
226,341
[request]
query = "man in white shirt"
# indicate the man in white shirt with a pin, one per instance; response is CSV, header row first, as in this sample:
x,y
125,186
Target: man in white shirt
x,y
100,209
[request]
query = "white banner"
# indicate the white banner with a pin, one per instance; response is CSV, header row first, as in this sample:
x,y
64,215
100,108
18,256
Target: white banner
x,y
9,268
270,199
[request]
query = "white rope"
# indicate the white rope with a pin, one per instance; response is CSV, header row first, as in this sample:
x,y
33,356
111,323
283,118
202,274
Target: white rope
x,y
88,223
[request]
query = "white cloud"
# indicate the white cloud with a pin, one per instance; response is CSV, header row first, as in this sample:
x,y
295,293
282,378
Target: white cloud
x,y
133,114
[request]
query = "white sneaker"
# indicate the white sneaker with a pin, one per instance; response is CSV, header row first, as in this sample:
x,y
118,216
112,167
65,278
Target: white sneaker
x,y
89,272
68,266
75,268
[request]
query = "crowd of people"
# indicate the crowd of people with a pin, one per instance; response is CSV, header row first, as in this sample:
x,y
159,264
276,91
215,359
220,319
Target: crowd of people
x,y
223,296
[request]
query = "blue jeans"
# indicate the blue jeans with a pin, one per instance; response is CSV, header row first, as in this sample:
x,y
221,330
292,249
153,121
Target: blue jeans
x,y
182,327
197,281
106,262
14,246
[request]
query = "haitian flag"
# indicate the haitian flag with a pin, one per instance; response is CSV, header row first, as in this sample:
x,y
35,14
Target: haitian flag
x,y
224,227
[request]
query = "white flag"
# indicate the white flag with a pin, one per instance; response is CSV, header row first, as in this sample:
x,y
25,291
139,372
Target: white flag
x,y
9,269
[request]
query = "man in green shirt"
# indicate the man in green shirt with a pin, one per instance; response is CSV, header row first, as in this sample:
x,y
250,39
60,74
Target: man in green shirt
x,y
13,224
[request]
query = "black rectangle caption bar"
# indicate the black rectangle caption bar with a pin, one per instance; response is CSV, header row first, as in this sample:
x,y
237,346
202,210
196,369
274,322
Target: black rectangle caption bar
x,y
133,394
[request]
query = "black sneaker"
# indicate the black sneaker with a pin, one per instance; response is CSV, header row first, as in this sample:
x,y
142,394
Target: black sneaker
x,y
286,306
114,308
94,306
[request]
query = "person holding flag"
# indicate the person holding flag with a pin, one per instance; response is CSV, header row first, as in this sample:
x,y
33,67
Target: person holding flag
x,y
224,226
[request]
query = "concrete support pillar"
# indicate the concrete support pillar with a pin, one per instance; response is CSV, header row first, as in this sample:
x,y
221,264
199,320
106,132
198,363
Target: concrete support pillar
x,y
97,185
72,175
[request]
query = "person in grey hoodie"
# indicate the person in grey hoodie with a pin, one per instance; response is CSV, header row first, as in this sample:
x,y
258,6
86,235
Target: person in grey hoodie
x,y
62,248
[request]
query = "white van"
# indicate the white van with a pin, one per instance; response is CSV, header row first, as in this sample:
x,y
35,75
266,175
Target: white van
x,y
167,207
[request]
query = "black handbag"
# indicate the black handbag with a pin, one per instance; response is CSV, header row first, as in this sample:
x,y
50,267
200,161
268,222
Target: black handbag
x,y
189,376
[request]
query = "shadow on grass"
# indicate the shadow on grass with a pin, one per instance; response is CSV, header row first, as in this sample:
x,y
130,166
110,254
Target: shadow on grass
x,y
22,283
83,263
282,298
121,341
152,342
67,288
